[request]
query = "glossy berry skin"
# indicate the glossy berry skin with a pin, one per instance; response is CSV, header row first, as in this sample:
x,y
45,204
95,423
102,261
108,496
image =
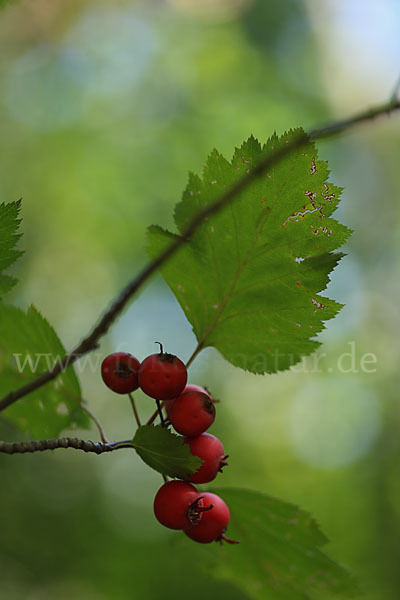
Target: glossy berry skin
x,y
213,522
191,387
162,376
177,505
120,372
192,413
211,451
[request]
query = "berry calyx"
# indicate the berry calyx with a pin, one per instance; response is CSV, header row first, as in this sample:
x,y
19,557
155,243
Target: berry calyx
x,y
162,376
119,372
191,387
192,413
179,505
213,523
211,451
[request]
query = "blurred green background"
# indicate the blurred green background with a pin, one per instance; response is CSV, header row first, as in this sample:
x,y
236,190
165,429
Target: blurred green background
x,y
104,108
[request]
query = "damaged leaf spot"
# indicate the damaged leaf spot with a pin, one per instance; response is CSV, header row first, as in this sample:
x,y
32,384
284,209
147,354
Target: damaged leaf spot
x,y
321,229
317,304
301,214
327,196
313,168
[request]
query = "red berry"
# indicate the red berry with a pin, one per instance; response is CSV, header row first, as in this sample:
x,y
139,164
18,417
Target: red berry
x,y
162,376
192,413
211,451
213,523
120,372
178,505
191,387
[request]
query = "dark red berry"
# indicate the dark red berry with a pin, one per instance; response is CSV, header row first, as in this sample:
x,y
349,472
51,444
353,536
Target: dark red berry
x,y
178,505
211,451
120,372
213,523
162,376
191,387
192,413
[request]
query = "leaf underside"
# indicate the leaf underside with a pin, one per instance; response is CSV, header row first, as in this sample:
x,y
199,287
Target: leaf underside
x,y
249,279
279,554
165,452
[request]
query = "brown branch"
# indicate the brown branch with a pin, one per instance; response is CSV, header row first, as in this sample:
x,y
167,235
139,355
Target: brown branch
x,y
90,342
52,444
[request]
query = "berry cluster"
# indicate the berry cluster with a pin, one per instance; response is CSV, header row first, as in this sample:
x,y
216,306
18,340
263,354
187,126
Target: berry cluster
x,y
161,376
190,410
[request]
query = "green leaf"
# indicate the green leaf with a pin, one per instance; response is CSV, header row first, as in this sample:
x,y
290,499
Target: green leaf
x,y
9,224
249,278
279,554
165,452
28,347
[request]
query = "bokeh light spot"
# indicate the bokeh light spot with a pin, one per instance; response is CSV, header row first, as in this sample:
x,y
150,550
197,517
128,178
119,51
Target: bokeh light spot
x,y
333,422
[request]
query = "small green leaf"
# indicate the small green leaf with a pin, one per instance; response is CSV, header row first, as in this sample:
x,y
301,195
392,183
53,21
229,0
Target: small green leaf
x,y
165,452
249,278
9,224
279,554
28,347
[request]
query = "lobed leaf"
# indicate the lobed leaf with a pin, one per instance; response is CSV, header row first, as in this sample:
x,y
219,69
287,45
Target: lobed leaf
x,y
279,555
28,347
250,277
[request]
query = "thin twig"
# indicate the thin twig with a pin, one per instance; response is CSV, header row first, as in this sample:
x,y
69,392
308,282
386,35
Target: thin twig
x,y
96,421
135,412
54,443
90,342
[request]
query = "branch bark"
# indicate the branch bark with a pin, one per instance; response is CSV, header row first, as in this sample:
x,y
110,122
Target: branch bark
x,y
90,342
54,443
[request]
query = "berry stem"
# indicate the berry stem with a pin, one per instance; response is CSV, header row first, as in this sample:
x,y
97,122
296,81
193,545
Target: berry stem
x,y
96,421
135,412
154,415
161,347
159,410
229,541
195,353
